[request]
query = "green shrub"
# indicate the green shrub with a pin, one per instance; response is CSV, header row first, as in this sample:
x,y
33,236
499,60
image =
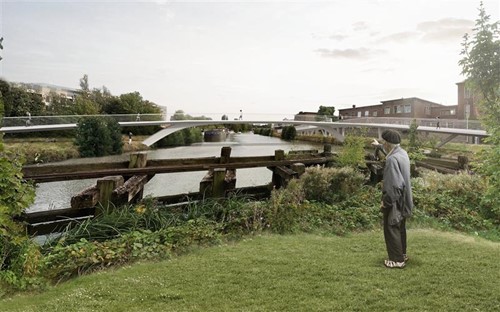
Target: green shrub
x,y
98,136
18,254
331,185
285,208
455,200
288,133
353,152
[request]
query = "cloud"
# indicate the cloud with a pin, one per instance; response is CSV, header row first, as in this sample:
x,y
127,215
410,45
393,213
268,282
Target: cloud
x,y
357,54
336,36
400,37
447,29
359,26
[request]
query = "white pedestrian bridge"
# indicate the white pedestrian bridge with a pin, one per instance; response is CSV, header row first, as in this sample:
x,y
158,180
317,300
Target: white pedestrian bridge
x,y
327,128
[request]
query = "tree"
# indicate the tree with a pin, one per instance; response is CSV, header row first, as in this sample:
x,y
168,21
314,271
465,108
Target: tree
x,y
288,133
325,113
84,83
98,136
180,115
481,66
1,46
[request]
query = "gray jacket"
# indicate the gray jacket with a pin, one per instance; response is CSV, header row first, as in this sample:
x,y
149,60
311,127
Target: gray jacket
x,y
396,189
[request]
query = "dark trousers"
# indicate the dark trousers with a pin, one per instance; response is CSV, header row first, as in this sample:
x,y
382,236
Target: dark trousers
x,y
395,238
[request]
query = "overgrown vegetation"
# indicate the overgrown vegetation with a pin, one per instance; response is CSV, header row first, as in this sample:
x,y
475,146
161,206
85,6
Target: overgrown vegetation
x,y
353,153
481,65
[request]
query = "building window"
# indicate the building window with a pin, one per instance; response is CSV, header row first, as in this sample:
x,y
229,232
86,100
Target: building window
x,y
387,110
452,112
374,114
399,109
407,108
367,113
359,114
427,110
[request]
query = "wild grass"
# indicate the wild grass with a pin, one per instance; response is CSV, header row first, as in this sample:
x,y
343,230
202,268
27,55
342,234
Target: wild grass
x,y
446,272
44,150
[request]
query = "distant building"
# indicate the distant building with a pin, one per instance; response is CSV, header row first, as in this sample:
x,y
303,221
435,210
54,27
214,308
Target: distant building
x,y
45,90
418,108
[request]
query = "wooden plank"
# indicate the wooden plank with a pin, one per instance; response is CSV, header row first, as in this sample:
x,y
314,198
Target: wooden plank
x,y
56,214
285,173
436,168
169,169
53,227
71,168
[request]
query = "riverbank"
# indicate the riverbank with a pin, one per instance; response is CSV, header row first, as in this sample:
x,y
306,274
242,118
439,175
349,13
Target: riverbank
x,y
45,150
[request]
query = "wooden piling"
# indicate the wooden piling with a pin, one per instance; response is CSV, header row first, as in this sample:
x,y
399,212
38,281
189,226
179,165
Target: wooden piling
x,y
138,160
106,187
218,182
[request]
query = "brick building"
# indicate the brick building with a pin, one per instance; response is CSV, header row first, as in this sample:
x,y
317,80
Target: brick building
x,y
418,108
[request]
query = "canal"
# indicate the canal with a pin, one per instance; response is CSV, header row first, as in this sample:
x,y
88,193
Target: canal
x,y
57,195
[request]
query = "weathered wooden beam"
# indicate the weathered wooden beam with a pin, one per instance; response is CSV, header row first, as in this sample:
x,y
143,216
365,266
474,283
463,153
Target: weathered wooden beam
x,y
436,168
285,173
56,215
150,170
86,198
131,190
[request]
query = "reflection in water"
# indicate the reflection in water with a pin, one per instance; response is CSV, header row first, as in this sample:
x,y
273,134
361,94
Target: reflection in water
x,y
56,195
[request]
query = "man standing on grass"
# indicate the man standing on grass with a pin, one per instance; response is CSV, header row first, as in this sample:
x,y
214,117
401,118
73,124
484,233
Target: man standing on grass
x,y
397,201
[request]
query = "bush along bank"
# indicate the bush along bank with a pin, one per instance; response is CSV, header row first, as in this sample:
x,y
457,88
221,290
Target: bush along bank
x,y
324,201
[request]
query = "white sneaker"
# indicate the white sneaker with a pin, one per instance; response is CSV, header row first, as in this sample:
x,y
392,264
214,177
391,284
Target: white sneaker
x,y
393,264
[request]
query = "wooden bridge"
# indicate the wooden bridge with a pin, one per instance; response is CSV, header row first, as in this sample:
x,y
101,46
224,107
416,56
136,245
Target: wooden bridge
x,y
123,182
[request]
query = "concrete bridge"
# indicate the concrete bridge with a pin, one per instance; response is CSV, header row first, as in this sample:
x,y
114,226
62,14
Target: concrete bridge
x,y
335,129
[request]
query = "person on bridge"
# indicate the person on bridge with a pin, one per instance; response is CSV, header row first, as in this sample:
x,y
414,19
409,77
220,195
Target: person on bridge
x,y
138,117
397,201
130,137
437,122
28,121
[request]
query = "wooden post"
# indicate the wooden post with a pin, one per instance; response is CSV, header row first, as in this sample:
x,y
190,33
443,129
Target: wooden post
x,y
139,160
225,154
276,178
279,155
299,168
206,184
106,187
327,150
218,182
463,162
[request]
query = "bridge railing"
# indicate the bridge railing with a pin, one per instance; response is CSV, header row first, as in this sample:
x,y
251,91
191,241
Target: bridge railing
x,y
425,122
72,119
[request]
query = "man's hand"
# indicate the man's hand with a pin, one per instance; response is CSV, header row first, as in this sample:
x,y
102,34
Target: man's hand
x,y
375,142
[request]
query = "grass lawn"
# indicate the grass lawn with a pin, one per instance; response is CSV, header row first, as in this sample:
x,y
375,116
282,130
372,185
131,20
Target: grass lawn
x,y
446,272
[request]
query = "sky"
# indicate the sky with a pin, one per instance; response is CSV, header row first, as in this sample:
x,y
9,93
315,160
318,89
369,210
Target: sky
x,y
270,59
